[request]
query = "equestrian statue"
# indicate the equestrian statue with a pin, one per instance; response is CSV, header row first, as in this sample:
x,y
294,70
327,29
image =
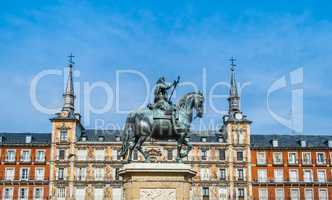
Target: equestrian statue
x,y
162,120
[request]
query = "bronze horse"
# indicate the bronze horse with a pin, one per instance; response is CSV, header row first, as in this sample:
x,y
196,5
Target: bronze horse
x,y
154,123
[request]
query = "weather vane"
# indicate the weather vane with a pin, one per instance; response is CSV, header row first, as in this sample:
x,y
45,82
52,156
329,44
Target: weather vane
x,y
71,59
232,59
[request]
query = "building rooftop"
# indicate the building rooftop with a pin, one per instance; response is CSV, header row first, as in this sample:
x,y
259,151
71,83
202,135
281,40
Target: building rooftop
x,y
25,138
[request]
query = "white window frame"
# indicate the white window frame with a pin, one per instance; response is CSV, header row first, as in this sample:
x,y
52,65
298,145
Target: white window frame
x,y
290,162
298,194
61,194
82,154
27,193
37,178
11,193
326,192
12,177
260,177
21,173
7,154
282,197
278,177
318,175
262,191
324,158
304,161
99,173
293,178
22,158
261,158
99,157
275,160
37,159
41,194
304,177
312,194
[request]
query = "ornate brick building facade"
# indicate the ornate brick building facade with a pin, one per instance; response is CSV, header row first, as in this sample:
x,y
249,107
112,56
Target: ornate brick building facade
x,y
230,162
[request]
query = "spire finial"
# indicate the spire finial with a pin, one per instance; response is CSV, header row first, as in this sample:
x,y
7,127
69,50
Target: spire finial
x,y
232,59
70,60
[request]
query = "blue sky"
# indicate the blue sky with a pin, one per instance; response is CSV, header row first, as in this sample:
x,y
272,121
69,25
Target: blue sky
x,y
167,38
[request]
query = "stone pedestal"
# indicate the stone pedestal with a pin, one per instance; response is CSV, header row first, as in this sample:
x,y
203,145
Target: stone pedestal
x,y
156,181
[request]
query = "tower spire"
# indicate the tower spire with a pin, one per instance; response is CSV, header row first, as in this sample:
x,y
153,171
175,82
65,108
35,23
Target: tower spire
x,y
68,96
233,98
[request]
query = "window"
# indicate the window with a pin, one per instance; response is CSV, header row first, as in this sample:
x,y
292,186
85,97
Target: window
x,y
10,156
277,158
222,154
204,154
321,175
80,193
321,158
292,158
23,193
279,194
100,154
169,154
38,194
306,158
61,192
308,194
8,194
61,154
240,192
240,174
117,177
114,154
295,194
293,175
99,194
223,194
205,173
303,143
25,156
279,175
329,143
28,139
63,135
9,174
262,175
239,156
24,174
82,154
40,156
323,194
203,139
99,173
222,174
261,158
263,195
39,175
275,143
80,174
205,192
61,173
307,175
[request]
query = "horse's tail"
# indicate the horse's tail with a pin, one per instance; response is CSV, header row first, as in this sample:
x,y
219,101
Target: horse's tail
x,y
125,138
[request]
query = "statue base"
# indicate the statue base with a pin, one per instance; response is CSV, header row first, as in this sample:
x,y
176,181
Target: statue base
x,y
156,181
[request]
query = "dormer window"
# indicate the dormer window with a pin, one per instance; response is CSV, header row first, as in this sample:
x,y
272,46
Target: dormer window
x,y
303,143
220,139
187,139
117,138
28,139
101,138
330,143
83,138
203,139
1,139
275,143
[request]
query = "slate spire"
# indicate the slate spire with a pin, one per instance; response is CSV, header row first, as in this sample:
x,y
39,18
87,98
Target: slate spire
x,y
68,96
233,98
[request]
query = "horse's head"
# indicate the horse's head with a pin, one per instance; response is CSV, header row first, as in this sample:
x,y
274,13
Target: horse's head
x,y
198,102
193,100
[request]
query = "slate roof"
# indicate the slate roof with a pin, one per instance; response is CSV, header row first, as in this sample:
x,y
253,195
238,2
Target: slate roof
x,y
19,138
290,141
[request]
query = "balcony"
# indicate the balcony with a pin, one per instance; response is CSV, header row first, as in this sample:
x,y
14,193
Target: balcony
x,y
9,161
